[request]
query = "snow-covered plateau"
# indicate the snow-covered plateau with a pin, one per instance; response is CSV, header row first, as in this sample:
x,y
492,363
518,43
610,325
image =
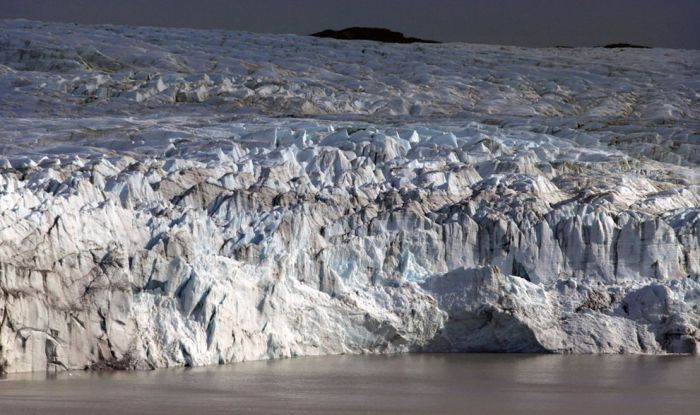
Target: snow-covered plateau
x,y
178,197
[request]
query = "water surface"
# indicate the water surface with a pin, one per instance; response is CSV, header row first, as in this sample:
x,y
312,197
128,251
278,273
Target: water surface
x,y
406,384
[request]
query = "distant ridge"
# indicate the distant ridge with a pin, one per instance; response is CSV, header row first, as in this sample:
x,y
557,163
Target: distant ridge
x,y
370,33
625,45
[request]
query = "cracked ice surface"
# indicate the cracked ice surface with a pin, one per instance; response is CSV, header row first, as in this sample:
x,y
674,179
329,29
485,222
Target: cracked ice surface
x,y
178,197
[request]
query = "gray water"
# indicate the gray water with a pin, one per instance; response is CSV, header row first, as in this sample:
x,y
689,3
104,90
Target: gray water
x,y
407,384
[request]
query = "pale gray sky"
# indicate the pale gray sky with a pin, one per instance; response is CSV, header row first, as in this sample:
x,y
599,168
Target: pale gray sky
x,y
668,23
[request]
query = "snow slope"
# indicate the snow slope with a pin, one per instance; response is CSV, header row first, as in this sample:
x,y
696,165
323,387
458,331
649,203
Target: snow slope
x,y
180,197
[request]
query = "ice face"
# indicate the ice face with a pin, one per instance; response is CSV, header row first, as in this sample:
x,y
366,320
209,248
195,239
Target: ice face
x,y
176,197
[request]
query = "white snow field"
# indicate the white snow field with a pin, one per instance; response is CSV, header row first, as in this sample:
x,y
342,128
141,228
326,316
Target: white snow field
x,y
178,197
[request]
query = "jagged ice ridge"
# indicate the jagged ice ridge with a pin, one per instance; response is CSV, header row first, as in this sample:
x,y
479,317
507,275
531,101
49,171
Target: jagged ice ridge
x,y
177,197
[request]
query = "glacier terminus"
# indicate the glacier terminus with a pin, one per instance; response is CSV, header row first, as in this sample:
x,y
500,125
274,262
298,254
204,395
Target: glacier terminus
x,y
176,197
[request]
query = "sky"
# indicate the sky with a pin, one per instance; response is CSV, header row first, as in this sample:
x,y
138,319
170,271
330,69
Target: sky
x,y
662,23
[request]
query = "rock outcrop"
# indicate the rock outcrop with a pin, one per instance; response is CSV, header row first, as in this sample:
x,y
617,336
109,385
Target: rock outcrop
x,y
370,33
145,221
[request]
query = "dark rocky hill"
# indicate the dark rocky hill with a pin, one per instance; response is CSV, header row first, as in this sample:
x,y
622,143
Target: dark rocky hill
x,y
370,33
625,45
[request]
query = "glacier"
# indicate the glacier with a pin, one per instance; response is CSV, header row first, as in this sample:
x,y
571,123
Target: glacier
x,y
175,197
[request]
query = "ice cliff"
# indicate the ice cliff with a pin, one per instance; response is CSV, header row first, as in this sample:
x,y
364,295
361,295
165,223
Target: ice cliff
x,y
173,197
